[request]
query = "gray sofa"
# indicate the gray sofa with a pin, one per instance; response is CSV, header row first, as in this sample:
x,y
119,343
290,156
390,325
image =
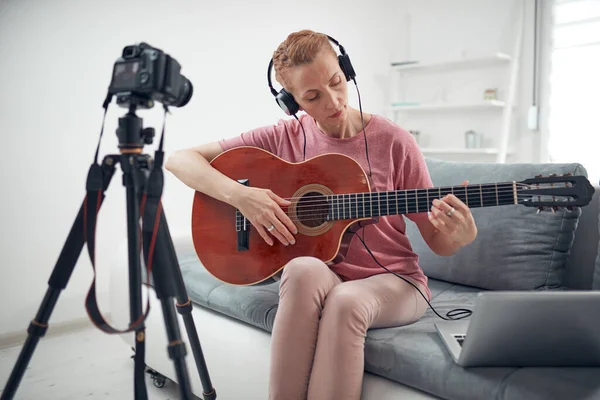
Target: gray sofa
x,y
516,249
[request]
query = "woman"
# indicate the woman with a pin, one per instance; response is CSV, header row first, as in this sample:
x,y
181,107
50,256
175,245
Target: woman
x,y
325,311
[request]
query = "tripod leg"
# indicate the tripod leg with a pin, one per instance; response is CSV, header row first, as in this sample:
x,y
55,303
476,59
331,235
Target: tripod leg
x,y
176,348
134,181
169,283
163,285
58,281
184,307
135,289
37,329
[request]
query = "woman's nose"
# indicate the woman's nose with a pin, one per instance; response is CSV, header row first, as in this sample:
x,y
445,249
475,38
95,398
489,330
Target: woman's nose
x,y
332,100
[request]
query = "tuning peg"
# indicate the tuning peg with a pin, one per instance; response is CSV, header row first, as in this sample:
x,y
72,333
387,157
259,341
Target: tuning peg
x,y
552,175
539,176
540,209
554,209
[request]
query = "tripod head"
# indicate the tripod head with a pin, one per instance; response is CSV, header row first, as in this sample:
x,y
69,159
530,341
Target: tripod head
x,y
131,133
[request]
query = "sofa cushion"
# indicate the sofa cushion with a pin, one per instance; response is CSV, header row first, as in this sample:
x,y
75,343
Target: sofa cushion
x,y
516,248
584,252
596,282
412,355
255,305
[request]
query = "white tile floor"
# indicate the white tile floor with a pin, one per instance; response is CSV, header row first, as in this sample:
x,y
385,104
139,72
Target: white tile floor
x,y
86,364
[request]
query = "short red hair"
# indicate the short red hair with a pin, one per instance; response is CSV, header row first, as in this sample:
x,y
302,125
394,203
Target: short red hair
x,y
297,49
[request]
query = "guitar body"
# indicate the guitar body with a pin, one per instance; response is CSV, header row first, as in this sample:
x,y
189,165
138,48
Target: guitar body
x,y
216,226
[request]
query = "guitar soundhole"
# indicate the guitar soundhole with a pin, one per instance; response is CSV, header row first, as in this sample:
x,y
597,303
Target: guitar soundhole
x,y
312,209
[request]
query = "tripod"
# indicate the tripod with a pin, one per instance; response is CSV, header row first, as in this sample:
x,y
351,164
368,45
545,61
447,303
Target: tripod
x,y
144,184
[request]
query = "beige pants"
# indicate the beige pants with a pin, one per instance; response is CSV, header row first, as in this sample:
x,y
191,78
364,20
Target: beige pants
x,y
318,338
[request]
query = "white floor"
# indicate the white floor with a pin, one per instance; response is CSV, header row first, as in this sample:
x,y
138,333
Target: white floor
x,y
86,364
89,364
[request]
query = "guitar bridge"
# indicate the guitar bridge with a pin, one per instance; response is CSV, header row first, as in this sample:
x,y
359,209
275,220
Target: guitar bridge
x,y
242,226
243,233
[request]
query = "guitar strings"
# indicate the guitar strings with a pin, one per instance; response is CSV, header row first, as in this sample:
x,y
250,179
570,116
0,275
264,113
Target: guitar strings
x,y
340,200
395,195
420,201
389,203
421,204
447,189
423,192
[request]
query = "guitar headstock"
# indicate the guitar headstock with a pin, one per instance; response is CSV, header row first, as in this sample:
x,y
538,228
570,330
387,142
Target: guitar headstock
x,y
555,192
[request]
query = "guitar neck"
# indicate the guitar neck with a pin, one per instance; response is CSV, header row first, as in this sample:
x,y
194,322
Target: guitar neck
x,y
410,201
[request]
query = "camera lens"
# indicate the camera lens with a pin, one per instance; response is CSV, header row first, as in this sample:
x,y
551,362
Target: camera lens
x,y
185,94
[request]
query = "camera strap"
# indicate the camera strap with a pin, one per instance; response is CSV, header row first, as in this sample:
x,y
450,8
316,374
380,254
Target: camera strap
x,y
150,213
93,200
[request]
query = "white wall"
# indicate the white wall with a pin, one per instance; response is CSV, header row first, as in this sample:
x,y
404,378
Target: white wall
x,y
56,63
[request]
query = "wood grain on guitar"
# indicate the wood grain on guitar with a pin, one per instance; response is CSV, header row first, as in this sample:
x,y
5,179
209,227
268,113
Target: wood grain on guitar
x,y
331,196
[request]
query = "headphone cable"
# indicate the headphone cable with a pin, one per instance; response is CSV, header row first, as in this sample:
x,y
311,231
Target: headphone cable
x,y
364,128
304,159
456,314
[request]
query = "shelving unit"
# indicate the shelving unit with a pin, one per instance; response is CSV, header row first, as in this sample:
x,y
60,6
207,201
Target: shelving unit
x,y
473,62
464,106
489,104
482,150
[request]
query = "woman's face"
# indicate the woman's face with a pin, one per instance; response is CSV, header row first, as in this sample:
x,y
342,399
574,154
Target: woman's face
x,y
320,88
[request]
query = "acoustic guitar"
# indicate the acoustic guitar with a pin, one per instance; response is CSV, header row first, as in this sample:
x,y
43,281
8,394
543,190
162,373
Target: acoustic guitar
x,y
331,199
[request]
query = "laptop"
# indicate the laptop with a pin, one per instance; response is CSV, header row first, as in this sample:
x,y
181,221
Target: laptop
x,y
527,329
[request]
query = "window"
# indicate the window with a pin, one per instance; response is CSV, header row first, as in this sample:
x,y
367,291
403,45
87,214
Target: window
x,y
574,84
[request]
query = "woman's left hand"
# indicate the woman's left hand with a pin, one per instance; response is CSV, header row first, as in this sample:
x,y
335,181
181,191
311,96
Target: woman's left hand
x,y
452,217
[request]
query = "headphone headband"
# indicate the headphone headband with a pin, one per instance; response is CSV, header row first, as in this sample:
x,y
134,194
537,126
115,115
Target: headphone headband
x,y
269,77
342,50
286,101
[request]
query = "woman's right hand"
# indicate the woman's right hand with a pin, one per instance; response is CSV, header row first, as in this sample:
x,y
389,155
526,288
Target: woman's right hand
x,y
262,208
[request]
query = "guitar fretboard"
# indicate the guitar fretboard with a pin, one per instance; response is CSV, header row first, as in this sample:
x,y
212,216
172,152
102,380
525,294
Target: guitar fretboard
x,y
365,205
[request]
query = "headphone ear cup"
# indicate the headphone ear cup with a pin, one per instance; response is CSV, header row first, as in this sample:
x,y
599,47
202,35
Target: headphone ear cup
x,y
287,103
347,67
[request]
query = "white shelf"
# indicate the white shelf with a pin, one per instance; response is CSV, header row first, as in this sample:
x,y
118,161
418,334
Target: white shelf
x,y
434,150
474,62
464,151
492,104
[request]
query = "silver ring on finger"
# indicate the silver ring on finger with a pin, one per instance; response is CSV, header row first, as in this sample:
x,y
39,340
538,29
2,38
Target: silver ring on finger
x,y
271,228
449,213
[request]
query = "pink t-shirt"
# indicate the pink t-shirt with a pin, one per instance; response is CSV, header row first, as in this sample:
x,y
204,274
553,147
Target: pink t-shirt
x,y
396,164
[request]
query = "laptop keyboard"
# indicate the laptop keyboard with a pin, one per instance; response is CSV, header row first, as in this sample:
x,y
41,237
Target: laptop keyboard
x,y
460,339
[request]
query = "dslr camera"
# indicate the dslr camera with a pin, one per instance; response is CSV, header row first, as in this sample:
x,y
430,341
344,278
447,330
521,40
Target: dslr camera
x,y
145,74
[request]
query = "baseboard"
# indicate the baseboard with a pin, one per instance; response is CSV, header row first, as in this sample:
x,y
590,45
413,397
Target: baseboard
x,y
17,338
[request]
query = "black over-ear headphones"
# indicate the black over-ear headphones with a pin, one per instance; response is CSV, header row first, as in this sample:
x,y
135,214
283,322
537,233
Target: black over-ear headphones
x,y
286,101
